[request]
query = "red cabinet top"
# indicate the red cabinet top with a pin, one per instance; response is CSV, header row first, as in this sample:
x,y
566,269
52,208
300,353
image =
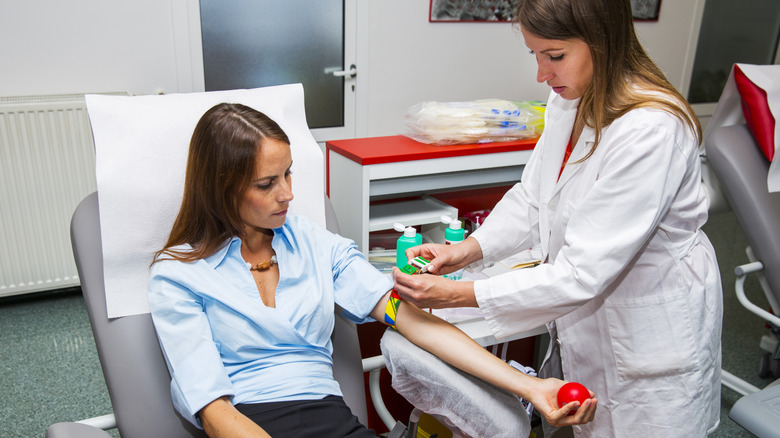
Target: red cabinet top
x,y
396,148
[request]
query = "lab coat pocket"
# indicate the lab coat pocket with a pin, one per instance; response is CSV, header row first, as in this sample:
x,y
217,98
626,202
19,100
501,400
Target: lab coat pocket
x,y
651,336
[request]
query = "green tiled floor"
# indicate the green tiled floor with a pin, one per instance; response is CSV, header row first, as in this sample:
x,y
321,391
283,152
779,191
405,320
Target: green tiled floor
x,y
741,329
49,371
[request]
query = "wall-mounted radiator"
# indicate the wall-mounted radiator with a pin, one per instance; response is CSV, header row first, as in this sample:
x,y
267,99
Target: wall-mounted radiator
x,y
47,165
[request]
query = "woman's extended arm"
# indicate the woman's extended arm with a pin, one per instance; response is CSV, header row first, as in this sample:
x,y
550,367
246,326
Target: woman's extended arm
x,y
221,419
456,348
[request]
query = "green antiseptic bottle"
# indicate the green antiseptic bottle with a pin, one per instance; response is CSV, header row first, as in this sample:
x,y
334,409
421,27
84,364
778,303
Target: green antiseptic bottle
x,y
454,234
408,239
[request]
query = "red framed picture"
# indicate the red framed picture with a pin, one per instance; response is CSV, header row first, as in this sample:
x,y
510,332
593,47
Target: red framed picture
x,y
503,10
645,10
496,11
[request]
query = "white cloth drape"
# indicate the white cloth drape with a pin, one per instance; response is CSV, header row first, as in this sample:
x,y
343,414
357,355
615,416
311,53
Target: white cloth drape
x,y
141,146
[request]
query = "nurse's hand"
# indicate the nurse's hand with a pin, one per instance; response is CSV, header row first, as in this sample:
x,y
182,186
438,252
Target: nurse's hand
x,y
433,291
544,397
447,258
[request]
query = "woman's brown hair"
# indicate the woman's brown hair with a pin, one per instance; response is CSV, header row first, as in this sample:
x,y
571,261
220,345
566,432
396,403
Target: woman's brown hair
x,y
220,167
624,76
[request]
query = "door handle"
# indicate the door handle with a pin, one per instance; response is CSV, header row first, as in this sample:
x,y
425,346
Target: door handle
x,y
351,73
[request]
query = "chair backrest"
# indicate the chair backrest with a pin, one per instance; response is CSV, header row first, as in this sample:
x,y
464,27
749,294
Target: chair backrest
x,y
133,365
742,170
347,360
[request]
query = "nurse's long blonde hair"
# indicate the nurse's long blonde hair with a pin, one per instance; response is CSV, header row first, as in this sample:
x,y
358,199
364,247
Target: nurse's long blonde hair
x,y
624,76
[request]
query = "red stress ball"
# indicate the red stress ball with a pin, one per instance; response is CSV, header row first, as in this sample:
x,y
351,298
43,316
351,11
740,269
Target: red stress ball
x,y
570,392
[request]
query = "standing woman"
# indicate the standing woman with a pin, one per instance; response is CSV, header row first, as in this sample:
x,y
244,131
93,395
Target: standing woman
x,y
629,285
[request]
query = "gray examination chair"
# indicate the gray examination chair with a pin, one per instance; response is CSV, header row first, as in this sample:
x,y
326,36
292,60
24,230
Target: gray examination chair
x,y
139,383
135,372
742,169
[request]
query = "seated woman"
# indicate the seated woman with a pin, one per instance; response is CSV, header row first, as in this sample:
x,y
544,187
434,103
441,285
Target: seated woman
x,y
242,298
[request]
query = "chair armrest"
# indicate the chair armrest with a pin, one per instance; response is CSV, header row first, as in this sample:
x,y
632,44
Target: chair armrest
x,y
75,430
373,366
742,272
757,412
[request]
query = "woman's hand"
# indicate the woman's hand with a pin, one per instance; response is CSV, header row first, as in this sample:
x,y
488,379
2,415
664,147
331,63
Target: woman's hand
x,y
433,291
447,258
221,419
544,397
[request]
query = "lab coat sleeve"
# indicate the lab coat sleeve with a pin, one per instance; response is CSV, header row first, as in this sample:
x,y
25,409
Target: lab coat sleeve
x,y
513,224
197,374
647,157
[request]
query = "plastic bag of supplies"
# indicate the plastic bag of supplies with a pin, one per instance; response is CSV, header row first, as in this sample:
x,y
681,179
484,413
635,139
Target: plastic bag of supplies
x,y
479,121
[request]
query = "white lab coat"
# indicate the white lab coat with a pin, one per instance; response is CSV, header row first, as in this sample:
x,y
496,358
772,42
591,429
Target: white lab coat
x,y
631,289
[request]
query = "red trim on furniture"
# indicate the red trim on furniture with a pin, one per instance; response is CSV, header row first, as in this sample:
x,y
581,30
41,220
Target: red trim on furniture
x,y
398,148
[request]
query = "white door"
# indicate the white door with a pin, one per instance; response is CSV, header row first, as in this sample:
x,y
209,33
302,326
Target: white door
x,y
258,43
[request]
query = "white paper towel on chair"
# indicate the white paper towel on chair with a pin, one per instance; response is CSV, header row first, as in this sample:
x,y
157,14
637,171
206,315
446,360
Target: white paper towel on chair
x,y
141,146
471,406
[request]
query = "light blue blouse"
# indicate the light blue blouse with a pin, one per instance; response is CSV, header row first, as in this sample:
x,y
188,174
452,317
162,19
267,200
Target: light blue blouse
x,y
219,338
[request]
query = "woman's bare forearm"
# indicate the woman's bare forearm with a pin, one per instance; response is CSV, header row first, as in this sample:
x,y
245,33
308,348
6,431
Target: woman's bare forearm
x,y
221,419
453,346
456,348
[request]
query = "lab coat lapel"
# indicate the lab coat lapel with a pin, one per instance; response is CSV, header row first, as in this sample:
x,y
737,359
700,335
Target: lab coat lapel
x,y
562,116
583,146
559,120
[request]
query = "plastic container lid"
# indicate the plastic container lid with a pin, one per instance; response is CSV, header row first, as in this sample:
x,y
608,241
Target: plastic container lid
x,y
454,224
408,231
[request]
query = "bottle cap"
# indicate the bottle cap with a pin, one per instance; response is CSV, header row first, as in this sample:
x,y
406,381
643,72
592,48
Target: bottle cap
x,y
453,223
408,231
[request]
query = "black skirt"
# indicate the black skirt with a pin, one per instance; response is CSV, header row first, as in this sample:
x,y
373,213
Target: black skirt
x,y
326,418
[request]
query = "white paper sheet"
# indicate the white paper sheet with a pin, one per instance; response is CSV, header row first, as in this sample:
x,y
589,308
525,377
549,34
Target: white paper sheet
x,y
141,146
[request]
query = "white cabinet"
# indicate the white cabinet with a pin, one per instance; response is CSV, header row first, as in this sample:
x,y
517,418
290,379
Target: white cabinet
x,y
363,170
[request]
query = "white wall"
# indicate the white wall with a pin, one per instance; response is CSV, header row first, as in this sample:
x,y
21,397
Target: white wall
x,y
50,46
412,60
671,41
